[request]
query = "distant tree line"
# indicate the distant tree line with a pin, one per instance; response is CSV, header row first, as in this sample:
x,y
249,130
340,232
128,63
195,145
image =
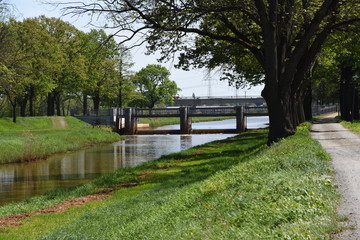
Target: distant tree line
x,y
48,67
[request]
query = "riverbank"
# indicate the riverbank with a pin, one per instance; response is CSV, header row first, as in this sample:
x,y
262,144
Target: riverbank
x,y
232,189
34,138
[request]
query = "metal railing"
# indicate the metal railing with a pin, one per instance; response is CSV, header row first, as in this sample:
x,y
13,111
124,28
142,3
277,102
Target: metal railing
x,y
319,110
92,112
207,111
157,112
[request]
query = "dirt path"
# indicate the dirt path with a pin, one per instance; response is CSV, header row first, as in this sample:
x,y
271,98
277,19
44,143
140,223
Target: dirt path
x,y
102,193
344,148
58,122
15,220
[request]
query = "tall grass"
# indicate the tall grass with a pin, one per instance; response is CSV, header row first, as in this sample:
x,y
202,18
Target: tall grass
x,y
231,189
33,138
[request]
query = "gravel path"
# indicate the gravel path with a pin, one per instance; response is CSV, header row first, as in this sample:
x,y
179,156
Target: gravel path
x,y
344,148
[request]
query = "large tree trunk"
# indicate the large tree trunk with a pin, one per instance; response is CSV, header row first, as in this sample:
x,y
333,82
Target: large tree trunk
x,y
279,115
286,65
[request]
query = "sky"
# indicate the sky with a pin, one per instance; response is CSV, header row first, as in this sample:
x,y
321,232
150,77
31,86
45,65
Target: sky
x,y
196,82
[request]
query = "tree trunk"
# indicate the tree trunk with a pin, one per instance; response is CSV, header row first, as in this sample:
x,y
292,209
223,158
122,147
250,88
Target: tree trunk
x,y
23,103
58,103
355,107
96,101
14,111
300,111
85,104
50,104
307,102
63,108
279,115
31,100
120,102
346,94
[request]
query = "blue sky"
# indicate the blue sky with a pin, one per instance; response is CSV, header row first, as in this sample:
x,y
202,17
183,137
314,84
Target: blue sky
x,y
190,82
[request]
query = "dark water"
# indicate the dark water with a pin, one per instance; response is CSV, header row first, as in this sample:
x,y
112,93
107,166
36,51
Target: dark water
x,y
21,181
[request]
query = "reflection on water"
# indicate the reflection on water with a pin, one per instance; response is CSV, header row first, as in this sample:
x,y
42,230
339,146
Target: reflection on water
x,y
21,181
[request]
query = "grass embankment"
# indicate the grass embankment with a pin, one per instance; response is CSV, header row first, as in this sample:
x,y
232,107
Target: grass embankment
x,y
231,189
38,137
353,126
157,122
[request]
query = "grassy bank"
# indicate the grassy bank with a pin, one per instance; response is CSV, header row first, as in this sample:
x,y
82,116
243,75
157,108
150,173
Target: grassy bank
x,y
231,189
157,122
353,126
38,137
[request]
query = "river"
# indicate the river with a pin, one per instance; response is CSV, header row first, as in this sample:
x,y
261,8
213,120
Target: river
x,y
21,181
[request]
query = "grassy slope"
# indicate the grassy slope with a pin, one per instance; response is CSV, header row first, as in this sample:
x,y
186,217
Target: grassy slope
x,y
38,137
222,190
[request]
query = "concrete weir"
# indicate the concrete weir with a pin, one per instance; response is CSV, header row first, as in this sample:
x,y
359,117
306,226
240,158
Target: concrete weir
x,y
126,119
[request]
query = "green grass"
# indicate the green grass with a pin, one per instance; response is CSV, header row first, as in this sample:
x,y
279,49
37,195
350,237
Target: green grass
x,y
37,137
157,122
353,126
231,189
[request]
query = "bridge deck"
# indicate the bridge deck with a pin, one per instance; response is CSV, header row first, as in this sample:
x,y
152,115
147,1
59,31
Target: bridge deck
x,y
195,112
130,115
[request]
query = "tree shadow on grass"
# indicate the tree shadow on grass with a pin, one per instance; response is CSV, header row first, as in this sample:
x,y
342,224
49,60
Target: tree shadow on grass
x,y
200,165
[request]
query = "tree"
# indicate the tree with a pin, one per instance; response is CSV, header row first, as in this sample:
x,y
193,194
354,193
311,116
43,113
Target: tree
x,y
12,86
34,44
339,68
64,59
284,37
125,88
102,63
13,66
154,84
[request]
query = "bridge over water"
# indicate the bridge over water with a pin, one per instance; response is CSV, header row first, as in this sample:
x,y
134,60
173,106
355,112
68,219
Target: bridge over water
x,y
126,118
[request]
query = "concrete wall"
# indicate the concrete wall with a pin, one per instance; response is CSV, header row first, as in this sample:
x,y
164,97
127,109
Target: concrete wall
x,y
97,120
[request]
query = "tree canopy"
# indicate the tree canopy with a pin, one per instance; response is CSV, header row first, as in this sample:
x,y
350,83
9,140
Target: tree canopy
x,y
47,66
282,37
155,86
338,70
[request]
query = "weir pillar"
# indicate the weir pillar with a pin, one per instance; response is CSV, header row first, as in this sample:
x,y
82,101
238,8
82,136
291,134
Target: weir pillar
x,y
240,119
185,121
130,121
